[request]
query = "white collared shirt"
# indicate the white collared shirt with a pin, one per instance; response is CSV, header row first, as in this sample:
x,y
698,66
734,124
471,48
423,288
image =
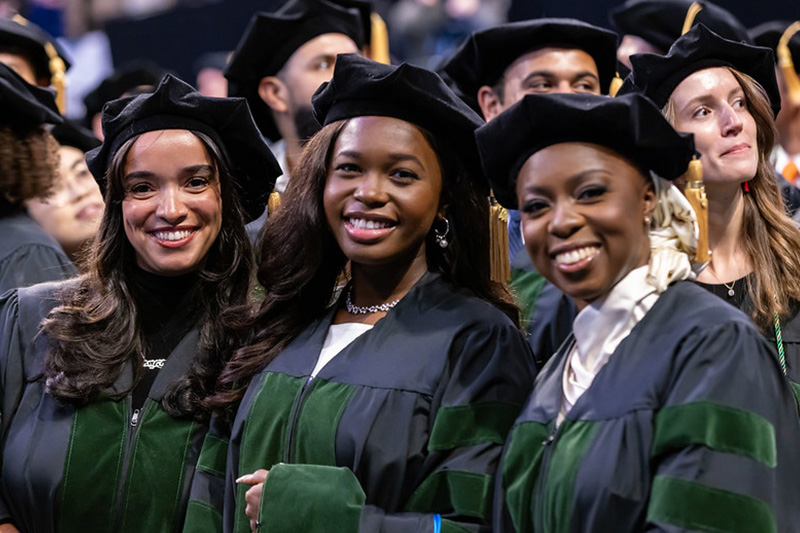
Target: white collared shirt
x,y
598,330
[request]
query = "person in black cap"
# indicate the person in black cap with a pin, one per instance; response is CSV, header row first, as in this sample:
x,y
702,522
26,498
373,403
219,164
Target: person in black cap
x,y
665,410
281,60
71,212
103,376
28,170
786,155
725,93
651,26
132,79
494,69
410,372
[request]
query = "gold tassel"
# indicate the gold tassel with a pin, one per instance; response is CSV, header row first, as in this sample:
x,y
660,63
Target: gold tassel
x,y
694,9
273,203
696,194
786,65
615,86
57,68
57,77
379,42
500,264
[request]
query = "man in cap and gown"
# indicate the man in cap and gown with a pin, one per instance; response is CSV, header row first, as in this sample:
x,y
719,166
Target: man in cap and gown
x,y
280,61
495,68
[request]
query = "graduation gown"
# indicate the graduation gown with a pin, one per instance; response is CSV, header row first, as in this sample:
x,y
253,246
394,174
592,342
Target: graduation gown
x,y
401,431
690,426
790,327
97,468
28,255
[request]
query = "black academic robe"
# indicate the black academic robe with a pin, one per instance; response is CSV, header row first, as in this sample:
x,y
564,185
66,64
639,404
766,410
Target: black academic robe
x,y
98,468
690,426
400,432
28,255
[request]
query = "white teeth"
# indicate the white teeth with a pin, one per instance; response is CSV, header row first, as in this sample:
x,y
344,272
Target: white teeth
x,y
171,235
573,256
360,223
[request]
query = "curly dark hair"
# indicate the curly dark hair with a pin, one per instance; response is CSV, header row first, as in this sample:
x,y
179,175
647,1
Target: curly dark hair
x,y
28,165
299,260
96,329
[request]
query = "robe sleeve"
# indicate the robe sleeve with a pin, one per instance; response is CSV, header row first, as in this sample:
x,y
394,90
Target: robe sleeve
x,y
725,443
34,264
489,373
207,497
11,370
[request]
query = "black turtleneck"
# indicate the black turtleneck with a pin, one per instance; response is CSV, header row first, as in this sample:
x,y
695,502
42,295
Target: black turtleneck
x,y
168,310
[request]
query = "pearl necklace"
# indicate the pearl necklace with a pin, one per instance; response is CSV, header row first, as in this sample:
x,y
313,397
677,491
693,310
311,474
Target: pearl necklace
x,y
357,310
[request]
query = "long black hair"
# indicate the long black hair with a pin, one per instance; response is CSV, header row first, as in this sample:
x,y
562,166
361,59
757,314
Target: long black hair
x,y
96,329
300,262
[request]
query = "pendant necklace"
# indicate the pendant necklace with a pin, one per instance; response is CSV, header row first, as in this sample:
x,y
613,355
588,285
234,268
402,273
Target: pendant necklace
x,y
731,291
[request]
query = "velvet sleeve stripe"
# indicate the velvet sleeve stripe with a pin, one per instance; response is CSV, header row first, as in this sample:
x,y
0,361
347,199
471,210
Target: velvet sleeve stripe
x,y
468,425
521,465
453,492
213,455
201,517
719,427
448,526
694,506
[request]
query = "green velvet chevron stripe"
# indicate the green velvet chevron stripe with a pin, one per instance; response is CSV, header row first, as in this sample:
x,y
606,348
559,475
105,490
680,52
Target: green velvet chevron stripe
x,y
520,466
448,526
315,435
697,507
454,491
202,518
93,467
796,391
572,440
720,427
526,286
156,475
213,455
467,425
264,436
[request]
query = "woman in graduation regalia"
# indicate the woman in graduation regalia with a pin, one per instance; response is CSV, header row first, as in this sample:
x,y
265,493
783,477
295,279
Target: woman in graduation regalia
x,y
102,376
666,409
726,94
382,406
28,169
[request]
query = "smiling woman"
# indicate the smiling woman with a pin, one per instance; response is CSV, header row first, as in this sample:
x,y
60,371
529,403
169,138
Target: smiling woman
x,y
665,409
102,376
725,93
381,402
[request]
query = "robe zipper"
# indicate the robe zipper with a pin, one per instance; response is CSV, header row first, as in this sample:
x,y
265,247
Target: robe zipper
x,y
549,445
294,416
131,430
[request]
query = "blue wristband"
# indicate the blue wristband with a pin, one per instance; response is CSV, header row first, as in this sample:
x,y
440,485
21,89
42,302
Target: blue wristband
x,y
437,523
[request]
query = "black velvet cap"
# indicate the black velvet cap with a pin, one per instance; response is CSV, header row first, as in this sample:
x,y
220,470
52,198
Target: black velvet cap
x,y
362,87
629,125
768,35
176,105
131,78
23,104
364,8
71,134
485,55
272,38
32,39
660,22
657,76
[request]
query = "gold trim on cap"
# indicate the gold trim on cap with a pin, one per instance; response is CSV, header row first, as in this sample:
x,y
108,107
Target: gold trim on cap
x,y
786,65
694,9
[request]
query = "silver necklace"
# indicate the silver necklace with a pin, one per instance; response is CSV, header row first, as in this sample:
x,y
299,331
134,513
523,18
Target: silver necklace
x,y
357,310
